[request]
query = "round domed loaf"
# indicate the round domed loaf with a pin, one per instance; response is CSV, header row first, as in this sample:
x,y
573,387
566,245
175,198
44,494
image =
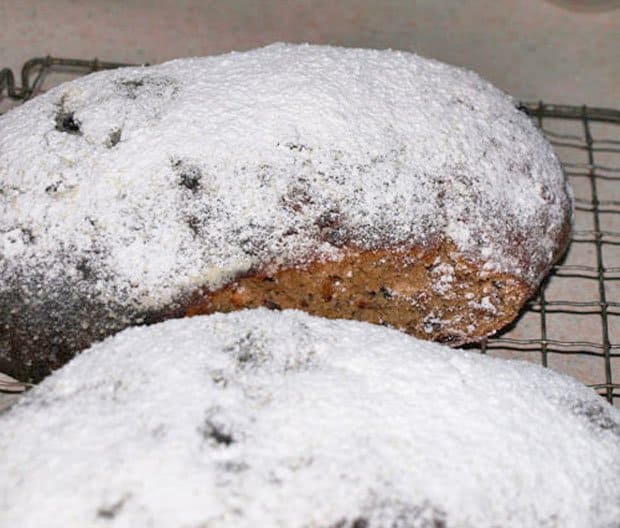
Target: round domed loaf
x,y
259,418
349,183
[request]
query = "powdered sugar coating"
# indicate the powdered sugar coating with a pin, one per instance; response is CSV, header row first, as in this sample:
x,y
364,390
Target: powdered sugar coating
x,y
260,418
161,180
127,193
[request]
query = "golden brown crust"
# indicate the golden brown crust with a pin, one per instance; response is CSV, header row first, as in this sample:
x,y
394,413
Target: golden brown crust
x,y
431,293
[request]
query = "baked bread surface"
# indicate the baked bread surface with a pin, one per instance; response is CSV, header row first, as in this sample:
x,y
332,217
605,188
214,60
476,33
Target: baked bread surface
x,y
374,185
282,419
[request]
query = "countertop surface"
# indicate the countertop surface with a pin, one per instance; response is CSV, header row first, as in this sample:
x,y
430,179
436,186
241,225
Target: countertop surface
x,y
532,49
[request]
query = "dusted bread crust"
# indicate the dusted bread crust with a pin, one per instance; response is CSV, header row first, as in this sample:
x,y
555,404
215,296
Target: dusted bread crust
x,y
134,195
283,420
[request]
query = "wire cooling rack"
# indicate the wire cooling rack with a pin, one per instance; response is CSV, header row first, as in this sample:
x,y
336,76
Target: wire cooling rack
x,y
573,324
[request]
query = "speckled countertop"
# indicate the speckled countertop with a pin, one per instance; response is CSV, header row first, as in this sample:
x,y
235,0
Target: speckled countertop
x,y
532,49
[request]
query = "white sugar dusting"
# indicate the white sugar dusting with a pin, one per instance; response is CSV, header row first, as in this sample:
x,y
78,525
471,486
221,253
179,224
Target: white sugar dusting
x,y
261,418
485,304
443,276
160,180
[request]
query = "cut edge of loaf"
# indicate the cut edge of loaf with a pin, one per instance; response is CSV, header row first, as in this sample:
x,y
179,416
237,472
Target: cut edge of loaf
x,y
432,293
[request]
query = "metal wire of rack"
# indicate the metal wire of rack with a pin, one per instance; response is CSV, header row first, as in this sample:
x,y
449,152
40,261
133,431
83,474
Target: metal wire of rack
x,y
595,237
35,71
550,330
